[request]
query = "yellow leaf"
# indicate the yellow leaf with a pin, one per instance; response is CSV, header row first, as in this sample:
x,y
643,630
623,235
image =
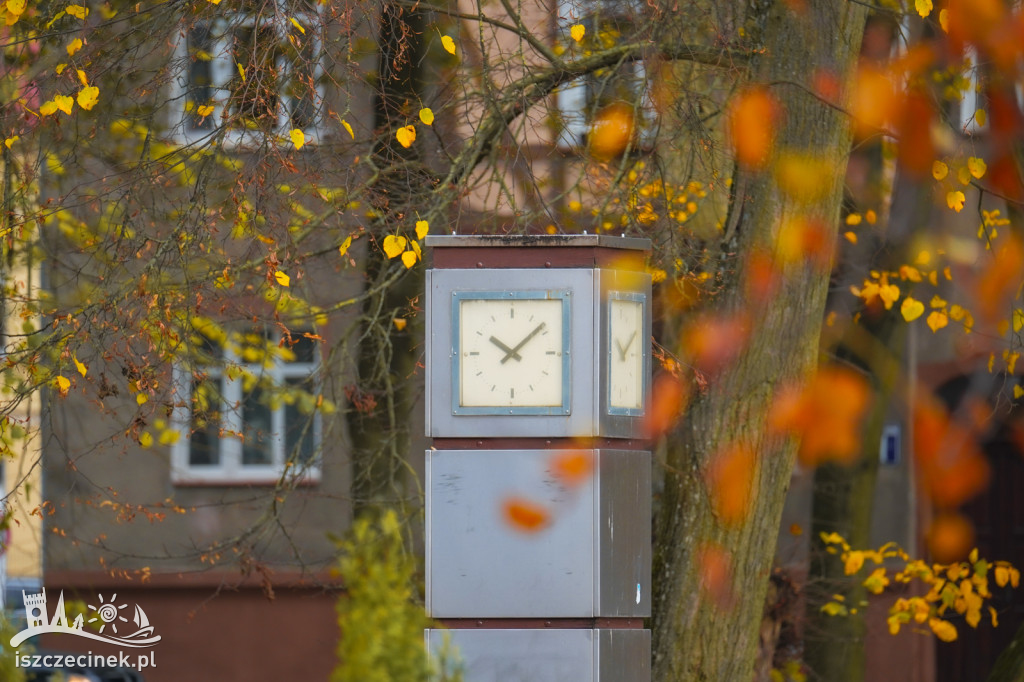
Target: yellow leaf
x,y
427,116
1018,319
282,279
141,398
214,2
64,103
409,258
16,7
577,32
81,77
943,629
343,249
944,20
74,46
394,245
422,227
1018,391
854,560
939,170
241,71
168,437
923,7
911,309
77,11
11,140
871,217
399,323
60,68
850,237
980,117
976,167
995,619
937,302
406,136
146,439
853,219
298,138
348,128
88,96
63,384
204,110
416,248
955,200
297,25
448,44
937,320
963,175
79,366
48,108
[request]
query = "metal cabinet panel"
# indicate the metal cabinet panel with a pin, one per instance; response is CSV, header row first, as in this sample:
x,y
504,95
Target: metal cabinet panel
x,y
592,559
548,655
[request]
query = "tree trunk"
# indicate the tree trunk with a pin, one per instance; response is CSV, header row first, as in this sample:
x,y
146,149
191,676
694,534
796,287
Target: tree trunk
x,y
697,638
384,393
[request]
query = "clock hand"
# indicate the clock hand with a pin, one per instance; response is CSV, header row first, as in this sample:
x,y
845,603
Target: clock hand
x,y
514,352
623,349
509,352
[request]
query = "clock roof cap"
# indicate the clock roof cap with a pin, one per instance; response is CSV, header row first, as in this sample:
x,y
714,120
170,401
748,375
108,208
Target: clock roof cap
x,y
537,240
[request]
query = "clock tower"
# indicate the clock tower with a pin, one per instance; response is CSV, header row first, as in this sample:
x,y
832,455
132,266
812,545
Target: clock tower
x,y
539,353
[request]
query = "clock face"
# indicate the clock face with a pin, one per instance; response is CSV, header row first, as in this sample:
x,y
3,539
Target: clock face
x,y
512,351
626,351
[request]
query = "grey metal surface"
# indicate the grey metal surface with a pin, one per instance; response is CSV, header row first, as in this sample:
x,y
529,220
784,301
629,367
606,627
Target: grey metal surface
x,y
589,414
592,559
537,240
548,655
441,421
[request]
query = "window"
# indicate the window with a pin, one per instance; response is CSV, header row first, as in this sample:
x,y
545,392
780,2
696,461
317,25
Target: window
x,y
247,410
606,23
259,66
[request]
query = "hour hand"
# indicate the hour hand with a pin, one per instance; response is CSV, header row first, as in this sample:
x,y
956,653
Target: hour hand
x,y
509,352
624,349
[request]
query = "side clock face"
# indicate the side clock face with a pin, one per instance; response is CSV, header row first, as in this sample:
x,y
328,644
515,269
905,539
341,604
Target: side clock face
x,y
626,354
511,352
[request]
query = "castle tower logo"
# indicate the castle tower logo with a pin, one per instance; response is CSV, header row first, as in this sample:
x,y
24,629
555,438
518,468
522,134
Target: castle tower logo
x,y
108,622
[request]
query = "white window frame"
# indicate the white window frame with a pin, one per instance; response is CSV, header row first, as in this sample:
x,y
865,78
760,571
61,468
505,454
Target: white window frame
x,y
571,98
229,468
223,71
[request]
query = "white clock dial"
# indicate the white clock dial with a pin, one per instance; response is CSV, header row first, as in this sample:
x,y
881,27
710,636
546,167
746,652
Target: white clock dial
x,y
511,352
626,354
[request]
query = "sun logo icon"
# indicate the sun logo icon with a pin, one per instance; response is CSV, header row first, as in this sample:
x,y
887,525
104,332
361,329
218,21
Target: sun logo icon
x,y
108,614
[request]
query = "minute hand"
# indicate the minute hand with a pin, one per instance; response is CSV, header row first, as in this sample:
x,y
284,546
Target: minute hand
x,y
514,352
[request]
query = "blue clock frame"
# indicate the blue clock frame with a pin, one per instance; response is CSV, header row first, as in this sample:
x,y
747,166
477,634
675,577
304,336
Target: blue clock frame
x,y
565,296
645,327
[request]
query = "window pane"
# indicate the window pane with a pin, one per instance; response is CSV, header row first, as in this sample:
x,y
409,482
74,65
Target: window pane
x,y
254,98
299,422
303,347
204,440
200,77
257,434
302,52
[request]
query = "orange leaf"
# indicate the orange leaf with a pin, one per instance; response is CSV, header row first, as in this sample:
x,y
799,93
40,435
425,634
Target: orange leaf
x,y
949,462
572,467
711,342
525,515
730,479
826,413
950,538
752,118
611,131
715,565
668,399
